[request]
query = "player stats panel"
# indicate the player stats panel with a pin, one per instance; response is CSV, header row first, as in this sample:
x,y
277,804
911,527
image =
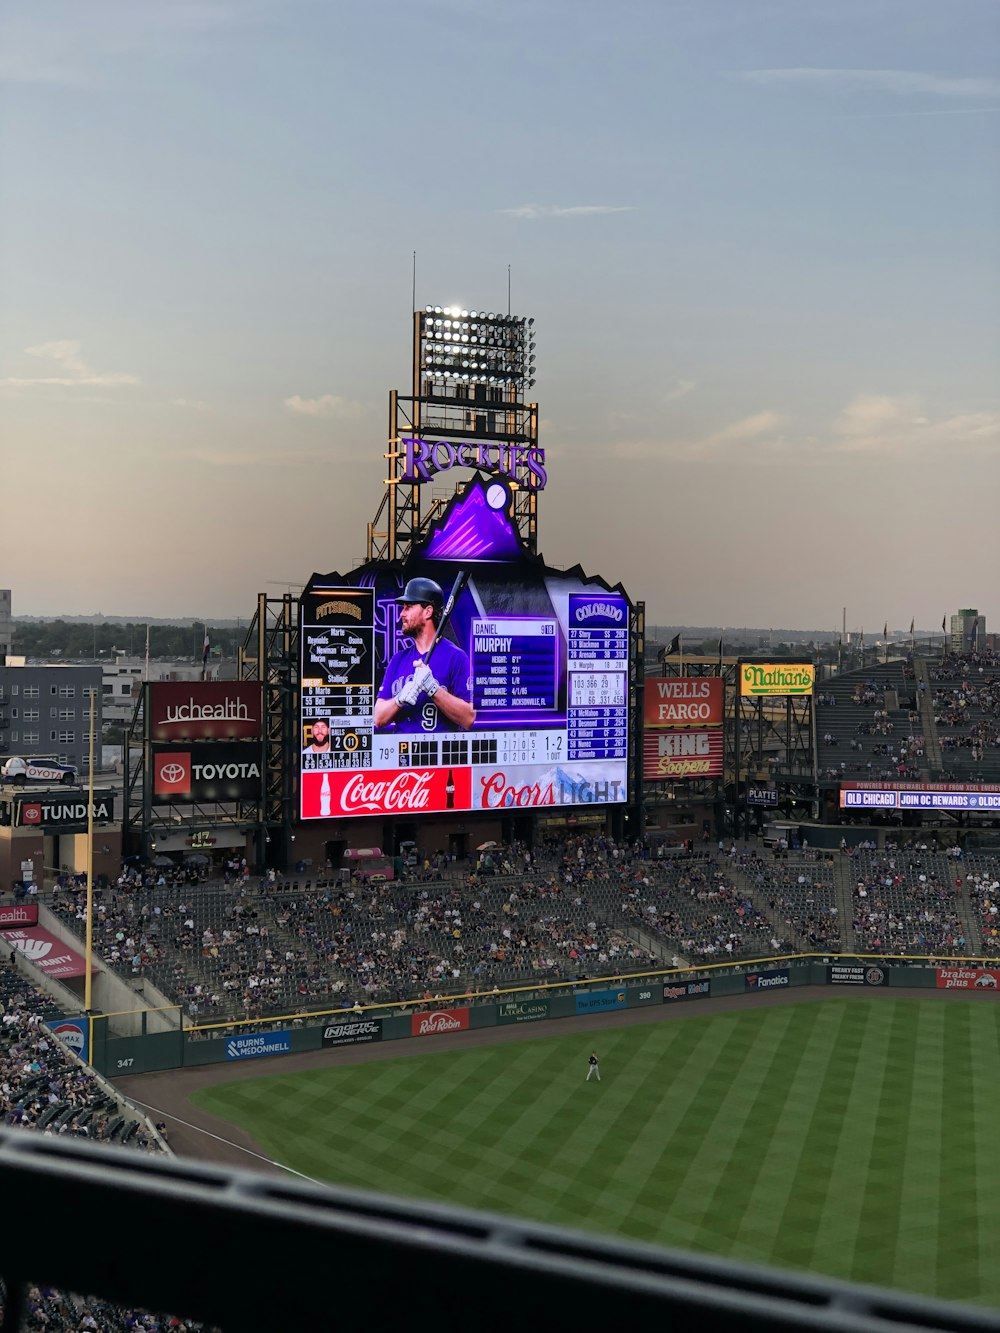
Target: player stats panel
x,y
515,665
597,663
338,678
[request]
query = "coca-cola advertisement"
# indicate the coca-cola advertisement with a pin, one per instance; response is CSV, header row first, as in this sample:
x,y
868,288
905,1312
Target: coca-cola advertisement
x,y
472,657
439,1020
397,791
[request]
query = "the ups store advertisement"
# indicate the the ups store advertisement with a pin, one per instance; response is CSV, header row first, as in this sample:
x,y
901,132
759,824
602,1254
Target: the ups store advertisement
x,y
56,812
227,772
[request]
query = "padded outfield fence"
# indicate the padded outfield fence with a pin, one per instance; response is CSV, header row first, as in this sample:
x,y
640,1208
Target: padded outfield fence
x,y
224,1042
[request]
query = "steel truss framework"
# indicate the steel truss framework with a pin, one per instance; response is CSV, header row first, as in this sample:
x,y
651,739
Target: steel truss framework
x,y
766,740
443,409
269,654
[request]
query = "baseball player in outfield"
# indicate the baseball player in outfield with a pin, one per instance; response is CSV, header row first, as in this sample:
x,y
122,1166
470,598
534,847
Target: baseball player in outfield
x,y
593,1067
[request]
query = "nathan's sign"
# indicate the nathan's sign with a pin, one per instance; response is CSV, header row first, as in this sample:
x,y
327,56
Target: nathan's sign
x,y
683,702
668,755
61,813
207,773
520,463
762,679
204,710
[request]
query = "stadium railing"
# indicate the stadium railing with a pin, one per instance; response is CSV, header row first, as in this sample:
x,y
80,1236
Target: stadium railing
x,y
272,1253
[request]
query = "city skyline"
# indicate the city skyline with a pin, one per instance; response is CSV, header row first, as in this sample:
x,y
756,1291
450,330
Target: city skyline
x,y
758,244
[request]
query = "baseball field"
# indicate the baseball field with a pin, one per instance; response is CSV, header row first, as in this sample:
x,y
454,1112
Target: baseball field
x,y
857,1139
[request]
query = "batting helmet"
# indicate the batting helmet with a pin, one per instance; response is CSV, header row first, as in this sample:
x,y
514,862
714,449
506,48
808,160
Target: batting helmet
x,y
422,590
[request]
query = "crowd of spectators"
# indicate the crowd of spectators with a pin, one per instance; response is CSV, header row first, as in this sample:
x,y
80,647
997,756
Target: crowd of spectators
x,y
906,902
44,1090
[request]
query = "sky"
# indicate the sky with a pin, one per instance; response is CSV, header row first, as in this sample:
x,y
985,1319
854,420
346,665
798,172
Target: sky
x,y
758,239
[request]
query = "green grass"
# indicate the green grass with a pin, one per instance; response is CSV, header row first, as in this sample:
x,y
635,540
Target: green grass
x,y
854,1138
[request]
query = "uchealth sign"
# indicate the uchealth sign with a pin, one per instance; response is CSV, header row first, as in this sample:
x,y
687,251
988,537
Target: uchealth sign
x,y
41,948
682,701
967,978
207,773
210,710
670,755
14,915
439,1020
63,814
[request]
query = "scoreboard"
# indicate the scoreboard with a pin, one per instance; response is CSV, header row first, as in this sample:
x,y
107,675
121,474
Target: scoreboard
x,y
547,678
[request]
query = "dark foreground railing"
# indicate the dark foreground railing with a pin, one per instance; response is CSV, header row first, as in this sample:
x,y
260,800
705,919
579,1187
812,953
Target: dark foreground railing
x,y
253,1252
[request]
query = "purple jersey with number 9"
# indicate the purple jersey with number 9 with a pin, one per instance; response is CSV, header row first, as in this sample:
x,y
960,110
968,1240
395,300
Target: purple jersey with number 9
x,y
450,668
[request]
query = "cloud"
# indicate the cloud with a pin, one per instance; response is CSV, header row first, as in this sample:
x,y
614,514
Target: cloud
x,y
191,404
681,389
75,372
878,425
532,212
898,82
873,427
327,405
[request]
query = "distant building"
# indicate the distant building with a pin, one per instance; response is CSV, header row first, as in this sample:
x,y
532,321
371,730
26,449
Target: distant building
x,y
46,710
968,631
6,625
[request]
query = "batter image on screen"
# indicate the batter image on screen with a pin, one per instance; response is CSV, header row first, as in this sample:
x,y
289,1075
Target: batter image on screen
x,y
427,685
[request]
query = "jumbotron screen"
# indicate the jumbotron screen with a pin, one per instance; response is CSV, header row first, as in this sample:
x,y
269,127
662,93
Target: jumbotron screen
x,y
444,685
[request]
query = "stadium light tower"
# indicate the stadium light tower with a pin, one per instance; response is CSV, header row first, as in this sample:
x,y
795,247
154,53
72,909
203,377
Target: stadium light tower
x,y
471,376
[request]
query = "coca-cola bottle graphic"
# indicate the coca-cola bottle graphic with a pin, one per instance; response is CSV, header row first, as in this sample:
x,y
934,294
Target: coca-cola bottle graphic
x,y
449,791
324,795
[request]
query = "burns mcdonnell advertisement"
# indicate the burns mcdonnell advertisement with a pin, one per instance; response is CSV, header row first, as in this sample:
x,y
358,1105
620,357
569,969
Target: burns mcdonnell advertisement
x,y
216,710
683,702
207,773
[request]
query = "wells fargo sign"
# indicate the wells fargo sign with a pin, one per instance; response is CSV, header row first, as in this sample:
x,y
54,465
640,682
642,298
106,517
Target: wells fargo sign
x,y
683,701
760,679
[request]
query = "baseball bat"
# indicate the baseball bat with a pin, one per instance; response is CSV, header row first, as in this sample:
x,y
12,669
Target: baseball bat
x,y
460,582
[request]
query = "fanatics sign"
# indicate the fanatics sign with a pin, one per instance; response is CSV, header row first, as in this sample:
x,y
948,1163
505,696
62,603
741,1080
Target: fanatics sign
x,y
683,701
204,710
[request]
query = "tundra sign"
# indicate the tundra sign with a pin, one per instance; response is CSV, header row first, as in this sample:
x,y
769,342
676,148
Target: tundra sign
x,y
207,773
63,814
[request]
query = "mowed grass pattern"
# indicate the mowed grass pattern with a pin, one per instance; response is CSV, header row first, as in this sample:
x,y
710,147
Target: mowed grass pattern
x,y
857,1138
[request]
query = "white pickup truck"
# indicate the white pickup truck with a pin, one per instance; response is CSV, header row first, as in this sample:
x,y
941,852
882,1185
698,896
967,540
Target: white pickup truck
x,y
18,770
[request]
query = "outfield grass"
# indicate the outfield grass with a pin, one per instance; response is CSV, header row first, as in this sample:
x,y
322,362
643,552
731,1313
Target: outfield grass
x,y
851,1137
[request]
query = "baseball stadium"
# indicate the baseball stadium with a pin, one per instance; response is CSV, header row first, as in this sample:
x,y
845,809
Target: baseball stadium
x,y
469,935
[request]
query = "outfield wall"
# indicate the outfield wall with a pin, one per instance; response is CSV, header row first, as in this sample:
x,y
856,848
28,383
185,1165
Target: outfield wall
x,y
222,1043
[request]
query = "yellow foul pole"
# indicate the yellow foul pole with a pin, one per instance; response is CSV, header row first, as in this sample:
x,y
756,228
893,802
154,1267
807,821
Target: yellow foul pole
x,y
90,867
